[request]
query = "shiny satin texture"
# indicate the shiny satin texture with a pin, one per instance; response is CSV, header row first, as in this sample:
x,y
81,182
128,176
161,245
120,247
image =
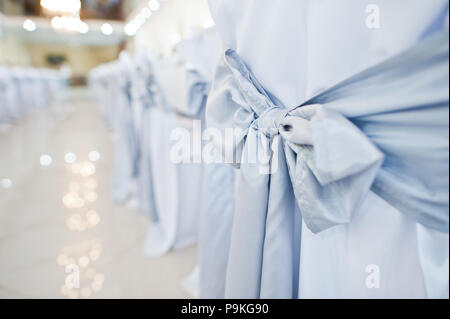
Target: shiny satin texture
x,y
266,204
201,55
297,49
157,178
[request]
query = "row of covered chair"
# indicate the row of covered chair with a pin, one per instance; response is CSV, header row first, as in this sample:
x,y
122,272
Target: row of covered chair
x,y
26,89
339,139
157,111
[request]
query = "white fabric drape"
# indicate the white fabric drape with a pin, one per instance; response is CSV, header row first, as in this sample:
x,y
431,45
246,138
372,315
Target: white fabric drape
x,y
297,49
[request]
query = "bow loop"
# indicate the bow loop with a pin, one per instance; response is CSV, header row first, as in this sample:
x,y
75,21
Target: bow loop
x,y
332,164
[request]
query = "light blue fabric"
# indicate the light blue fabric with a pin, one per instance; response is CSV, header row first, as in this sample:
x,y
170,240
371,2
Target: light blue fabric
x,y
37,85
126,156
218,179
215,223
402,107
198,89
146,186
437,24
385,129
217,206
3,101
127,143
18,85
433,248
145,94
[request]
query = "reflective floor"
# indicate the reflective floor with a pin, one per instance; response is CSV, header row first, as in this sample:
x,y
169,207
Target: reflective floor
x,y
57,217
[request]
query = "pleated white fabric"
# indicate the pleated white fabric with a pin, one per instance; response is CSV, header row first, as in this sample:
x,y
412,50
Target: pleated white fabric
x,y
297,49
201,55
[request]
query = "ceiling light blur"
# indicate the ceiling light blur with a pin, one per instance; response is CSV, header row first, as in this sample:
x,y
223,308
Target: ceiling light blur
x,y
146,12
67,6
140,19
70,24
83,28
130,29
153,5
29,25
57,23
107,29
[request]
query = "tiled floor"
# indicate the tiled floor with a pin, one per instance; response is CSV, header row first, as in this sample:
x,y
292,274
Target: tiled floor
x,y
58,216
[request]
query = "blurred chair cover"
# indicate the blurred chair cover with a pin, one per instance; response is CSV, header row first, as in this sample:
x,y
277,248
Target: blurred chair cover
x,y
23,90
202,54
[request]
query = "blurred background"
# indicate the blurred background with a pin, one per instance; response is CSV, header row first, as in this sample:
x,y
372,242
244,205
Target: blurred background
x,y
83,34
56,162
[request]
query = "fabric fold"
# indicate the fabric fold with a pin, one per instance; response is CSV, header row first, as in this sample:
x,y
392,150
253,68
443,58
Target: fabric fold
x,y
362,135
346,125
340,166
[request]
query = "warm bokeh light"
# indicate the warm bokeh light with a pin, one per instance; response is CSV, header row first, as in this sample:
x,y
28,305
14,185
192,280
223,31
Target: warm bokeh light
x,y
71,24
86,292
87,169
92,218
91,184
66,6
84,261
73,200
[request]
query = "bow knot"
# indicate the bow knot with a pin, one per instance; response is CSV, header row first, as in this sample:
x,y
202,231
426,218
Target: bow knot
x,y
327,156
271,120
